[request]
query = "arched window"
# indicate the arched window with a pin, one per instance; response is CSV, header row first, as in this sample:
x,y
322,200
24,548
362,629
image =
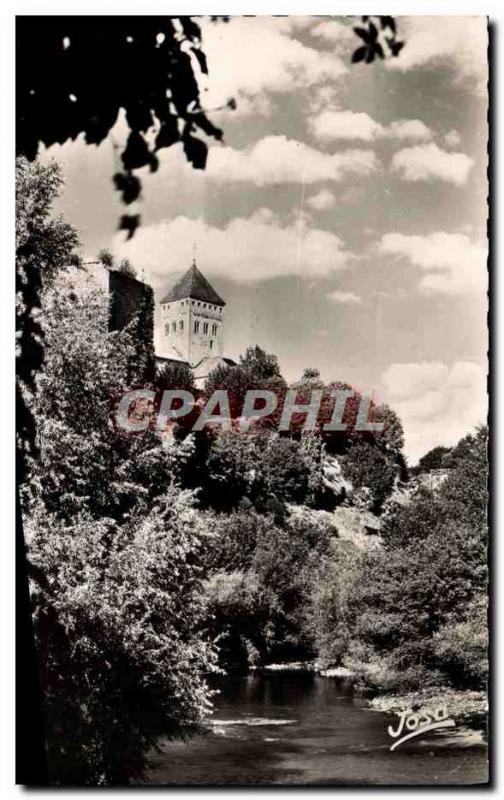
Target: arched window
x,y
205,327
211,344
196,326
214,330
174,326
167,328
181,325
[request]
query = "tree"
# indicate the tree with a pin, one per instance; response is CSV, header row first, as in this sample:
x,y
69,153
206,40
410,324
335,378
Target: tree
x,y
44,247
417,612
256,370
106,258
461,647
119,619
85,462
115,557
366,466
127,268
402,598
173,375
464,494
434,459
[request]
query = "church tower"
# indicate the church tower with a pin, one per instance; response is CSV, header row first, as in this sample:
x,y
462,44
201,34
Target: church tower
x,y
192,319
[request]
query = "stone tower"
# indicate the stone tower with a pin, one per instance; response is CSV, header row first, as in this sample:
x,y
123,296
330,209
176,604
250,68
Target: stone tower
x,y
192,319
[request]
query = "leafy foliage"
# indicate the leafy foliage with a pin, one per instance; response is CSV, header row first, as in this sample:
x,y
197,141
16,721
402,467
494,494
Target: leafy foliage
x,y
411,606
379,35
118,615
74,74
44,246
434,459
175,375
366,465
263,571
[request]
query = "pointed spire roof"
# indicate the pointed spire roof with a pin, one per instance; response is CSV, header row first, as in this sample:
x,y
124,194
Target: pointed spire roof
x,y
193,284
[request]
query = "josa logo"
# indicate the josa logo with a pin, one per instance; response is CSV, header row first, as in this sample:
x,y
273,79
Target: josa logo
x,y
415,723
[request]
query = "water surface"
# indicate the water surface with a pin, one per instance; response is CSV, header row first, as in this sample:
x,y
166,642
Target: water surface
x,y
298,728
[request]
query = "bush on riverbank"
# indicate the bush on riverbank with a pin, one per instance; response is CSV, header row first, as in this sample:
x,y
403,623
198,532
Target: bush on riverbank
x,y
415,613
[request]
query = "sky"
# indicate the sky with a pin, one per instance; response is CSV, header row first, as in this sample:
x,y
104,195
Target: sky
x,y
343,218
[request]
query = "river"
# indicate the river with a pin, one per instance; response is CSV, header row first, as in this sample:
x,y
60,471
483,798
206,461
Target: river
x,y
300,728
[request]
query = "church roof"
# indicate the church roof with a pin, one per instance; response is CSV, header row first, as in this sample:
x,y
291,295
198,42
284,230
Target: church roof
x,y
193,284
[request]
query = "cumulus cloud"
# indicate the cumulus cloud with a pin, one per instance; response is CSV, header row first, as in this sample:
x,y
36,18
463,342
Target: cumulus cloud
x,y
460,41
245,250
334,32
333,124
409,129
452,139
346,298
451,263
276,159
425,162
437,403
250,57
322,201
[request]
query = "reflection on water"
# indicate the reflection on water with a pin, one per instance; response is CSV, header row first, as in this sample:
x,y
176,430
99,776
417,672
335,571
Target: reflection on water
x,y
295,728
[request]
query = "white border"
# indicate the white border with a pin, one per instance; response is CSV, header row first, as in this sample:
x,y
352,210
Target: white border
x,y
8,10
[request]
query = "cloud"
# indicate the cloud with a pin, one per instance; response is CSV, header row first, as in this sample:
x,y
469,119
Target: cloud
x,y
322,201
460,41
334,32
249,58
245,250
409,129
437,403
345,125
346,298
425,162
452,139
276,159
452,264
333,124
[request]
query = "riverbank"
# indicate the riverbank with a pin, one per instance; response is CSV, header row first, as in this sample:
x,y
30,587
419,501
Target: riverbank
x,y
307,666
463,706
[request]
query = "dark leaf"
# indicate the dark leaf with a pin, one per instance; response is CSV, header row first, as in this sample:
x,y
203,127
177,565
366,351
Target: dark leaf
x,y
388,22
201,58
396,48
362,32
168,133
202,121
137,153
139,117
129,222
373,32
359,54
231,103
379,50
191,29
370,55
196,151
129,185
